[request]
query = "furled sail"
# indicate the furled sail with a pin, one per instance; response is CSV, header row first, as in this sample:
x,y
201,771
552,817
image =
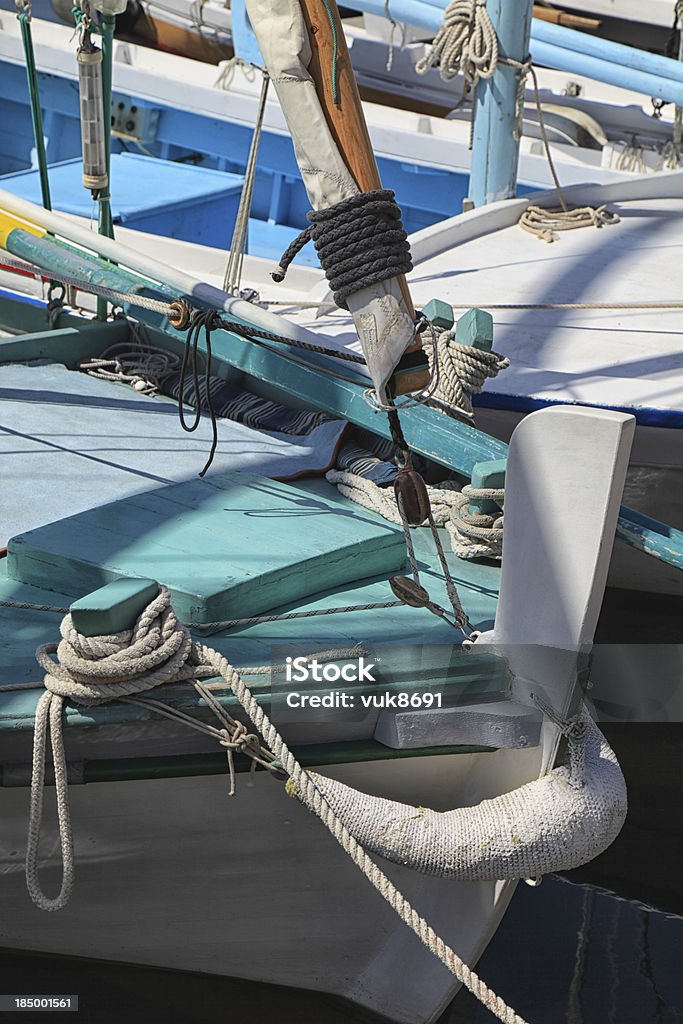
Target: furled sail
x,y
303,45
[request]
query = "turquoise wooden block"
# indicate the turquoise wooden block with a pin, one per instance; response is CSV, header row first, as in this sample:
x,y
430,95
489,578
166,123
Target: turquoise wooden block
x,y
475,327
487,474
113,608
234,546
439,313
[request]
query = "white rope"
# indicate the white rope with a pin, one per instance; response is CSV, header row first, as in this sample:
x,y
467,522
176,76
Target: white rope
x,y
96,672
476,534
466,42
472,535
545,223
144,368
462,372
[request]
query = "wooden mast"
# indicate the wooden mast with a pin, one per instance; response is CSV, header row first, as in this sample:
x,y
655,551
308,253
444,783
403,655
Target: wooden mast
x,y
347,124
345,117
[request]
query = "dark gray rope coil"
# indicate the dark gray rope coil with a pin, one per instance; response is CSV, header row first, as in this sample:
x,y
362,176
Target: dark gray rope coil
x,y
359,241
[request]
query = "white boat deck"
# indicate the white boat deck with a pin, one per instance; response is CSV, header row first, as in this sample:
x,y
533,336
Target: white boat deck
x,y
622,358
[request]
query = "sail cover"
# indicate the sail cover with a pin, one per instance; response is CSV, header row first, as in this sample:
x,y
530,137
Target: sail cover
x,y
384,325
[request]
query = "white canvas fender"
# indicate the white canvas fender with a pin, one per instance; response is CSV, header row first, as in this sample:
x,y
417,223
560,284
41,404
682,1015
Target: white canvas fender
x,y
557,822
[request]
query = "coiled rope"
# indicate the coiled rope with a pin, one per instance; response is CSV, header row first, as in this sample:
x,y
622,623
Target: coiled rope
x,y
466,42
472,535
95,669
360,241
462,372
476,534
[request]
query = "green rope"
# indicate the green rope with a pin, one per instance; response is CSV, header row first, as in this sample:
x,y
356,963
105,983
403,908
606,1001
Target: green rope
x,y
335,54
36,113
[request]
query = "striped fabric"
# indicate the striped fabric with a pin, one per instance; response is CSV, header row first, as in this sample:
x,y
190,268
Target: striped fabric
x,y
354,459
233,403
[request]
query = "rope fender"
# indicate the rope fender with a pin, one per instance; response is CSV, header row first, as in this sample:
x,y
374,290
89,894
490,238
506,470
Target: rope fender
x,y
554,823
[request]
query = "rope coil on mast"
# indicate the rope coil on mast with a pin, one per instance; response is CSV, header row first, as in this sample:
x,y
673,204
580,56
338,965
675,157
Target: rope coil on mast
x,y
360,241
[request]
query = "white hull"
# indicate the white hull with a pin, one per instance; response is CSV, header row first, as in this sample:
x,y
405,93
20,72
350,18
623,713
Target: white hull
x,y
174,874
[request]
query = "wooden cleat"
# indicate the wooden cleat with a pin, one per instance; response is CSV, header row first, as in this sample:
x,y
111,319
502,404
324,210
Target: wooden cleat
x,y
113,608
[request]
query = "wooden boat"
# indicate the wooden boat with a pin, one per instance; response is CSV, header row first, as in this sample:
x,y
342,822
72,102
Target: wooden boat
x,y
162,865
599,135
104,492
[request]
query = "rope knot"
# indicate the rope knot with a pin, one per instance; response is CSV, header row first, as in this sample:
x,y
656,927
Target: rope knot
x,y
94,670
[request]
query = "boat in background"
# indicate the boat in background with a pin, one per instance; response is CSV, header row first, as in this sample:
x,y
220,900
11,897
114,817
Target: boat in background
x,y
192,130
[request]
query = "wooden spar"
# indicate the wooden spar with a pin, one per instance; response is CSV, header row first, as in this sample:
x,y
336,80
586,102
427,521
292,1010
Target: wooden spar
x,y
345,118
340,151
565,18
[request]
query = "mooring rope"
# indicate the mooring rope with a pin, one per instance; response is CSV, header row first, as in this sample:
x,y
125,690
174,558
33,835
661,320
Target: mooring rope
x,y
160,648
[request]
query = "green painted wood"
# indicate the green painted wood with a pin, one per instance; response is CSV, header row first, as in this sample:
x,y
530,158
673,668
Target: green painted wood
x,y
310,756
454,445
439,313
64,344
236,546
113,608
315,381
487,474
66,260
475,328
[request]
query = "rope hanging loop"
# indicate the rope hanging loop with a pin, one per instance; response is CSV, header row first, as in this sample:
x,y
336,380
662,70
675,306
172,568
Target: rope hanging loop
x,y
466,42
97,670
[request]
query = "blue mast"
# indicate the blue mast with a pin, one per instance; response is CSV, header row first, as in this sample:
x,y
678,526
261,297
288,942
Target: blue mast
x,y
495,148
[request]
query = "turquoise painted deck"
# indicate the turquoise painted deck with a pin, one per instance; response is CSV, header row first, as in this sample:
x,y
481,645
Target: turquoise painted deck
x,y
231,546
417,642
65,429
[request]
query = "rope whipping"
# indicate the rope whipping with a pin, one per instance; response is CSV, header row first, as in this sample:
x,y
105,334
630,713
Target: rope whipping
x,y
92,670
360,241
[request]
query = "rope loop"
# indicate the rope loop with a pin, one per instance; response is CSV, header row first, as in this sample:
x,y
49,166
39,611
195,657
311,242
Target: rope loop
x,y
466,42
545,223
96,670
